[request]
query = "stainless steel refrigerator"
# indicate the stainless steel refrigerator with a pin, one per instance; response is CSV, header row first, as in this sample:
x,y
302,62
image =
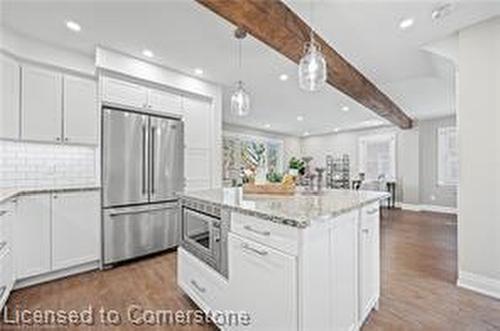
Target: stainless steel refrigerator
x,y
142,169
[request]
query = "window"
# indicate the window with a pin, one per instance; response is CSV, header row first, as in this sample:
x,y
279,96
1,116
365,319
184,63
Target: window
x,y
377,157
447,156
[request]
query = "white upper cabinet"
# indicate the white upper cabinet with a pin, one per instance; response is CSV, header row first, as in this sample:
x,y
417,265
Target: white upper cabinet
x,y
124,93
9,113
41,102
75,214
80,110
197,123
163,101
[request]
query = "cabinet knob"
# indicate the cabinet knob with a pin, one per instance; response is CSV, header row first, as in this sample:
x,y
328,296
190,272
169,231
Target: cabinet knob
x,y
66,139
58,138
54,196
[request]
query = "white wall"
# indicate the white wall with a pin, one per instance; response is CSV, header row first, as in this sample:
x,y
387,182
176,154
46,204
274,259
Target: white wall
x,y
479,151
407,165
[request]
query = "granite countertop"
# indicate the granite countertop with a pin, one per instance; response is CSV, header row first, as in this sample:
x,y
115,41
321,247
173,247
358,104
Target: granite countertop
x,y
297,210
12,192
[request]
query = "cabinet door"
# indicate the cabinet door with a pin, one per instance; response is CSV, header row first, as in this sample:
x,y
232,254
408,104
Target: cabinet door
x,y
124,93
197,123
369,262
344,282
75,228
80,110
263,282
164,102
9,113
197,152
32,235
41,104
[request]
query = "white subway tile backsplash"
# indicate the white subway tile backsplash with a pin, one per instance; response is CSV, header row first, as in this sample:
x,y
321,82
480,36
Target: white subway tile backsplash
x,y
28,164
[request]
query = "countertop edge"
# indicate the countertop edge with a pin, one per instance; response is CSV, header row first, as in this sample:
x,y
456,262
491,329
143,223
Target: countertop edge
x,y
17,192
301,224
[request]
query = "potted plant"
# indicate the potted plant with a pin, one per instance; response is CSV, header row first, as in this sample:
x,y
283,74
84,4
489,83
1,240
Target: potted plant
x,y
296,166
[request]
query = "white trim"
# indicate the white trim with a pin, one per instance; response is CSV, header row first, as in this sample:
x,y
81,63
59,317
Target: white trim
x,y
433,208
478,283
57,274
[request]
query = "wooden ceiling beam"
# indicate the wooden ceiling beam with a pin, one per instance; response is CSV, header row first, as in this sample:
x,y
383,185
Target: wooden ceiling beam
x,y
275,24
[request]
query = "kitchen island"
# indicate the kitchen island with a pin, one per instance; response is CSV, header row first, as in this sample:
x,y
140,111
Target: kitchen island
x,y
298,262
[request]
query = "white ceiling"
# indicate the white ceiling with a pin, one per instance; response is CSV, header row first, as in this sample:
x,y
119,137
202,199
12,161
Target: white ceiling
x,y
184,35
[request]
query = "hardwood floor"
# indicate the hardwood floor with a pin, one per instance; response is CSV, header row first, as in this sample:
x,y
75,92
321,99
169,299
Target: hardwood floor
x,y
418,264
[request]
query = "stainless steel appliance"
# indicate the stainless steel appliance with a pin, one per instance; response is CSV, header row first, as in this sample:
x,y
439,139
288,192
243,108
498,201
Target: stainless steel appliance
x,y
204,233
142,169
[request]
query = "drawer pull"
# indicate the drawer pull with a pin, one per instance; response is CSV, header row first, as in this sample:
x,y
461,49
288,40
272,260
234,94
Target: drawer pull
x,y
3,212
2,245
198,287
262,233
372,211
2,291
254,250
365,231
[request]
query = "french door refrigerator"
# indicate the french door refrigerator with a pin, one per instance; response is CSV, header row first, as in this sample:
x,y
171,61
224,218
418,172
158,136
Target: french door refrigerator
x,y
142,169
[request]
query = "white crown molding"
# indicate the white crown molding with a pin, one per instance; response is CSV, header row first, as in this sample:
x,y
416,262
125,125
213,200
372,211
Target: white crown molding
x,y
478,283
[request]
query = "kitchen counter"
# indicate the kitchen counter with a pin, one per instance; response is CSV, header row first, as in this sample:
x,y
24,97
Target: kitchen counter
x,y
9,193
298,210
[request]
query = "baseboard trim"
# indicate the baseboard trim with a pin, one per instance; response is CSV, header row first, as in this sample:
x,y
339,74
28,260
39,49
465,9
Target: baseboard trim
x,y
433,208
478,283
53,275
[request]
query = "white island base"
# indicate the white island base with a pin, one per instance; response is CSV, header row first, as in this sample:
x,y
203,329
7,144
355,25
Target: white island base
x,y
325,276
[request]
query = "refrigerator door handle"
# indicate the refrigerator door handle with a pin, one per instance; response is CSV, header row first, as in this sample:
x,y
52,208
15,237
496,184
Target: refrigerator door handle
x,y
134,212
144,150
153,151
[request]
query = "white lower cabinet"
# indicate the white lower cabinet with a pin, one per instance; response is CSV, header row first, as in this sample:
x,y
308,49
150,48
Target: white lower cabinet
x,y
263,283
203,284
322,277
32,236
369,261
55,231
7,277
75,228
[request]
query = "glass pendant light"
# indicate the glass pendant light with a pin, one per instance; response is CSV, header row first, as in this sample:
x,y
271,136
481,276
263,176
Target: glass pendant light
x,y
312,66
240,99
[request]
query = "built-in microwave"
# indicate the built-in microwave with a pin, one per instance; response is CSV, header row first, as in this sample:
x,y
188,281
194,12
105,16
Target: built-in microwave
x,y
204,234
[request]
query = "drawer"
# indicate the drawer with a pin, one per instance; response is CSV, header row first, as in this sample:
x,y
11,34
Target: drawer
x,y
203,284
279,236
6,275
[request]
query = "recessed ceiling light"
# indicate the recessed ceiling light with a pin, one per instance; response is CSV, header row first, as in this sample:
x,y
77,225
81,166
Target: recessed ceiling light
x,y
345,108
73,26
336,130
147,53
267,126
306,134
406,23
283,77
198,71
300,118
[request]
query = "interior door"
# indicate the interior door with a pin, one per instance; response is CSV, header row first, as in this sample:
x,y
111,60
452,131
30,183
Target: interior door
x,y
125,158
166,158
